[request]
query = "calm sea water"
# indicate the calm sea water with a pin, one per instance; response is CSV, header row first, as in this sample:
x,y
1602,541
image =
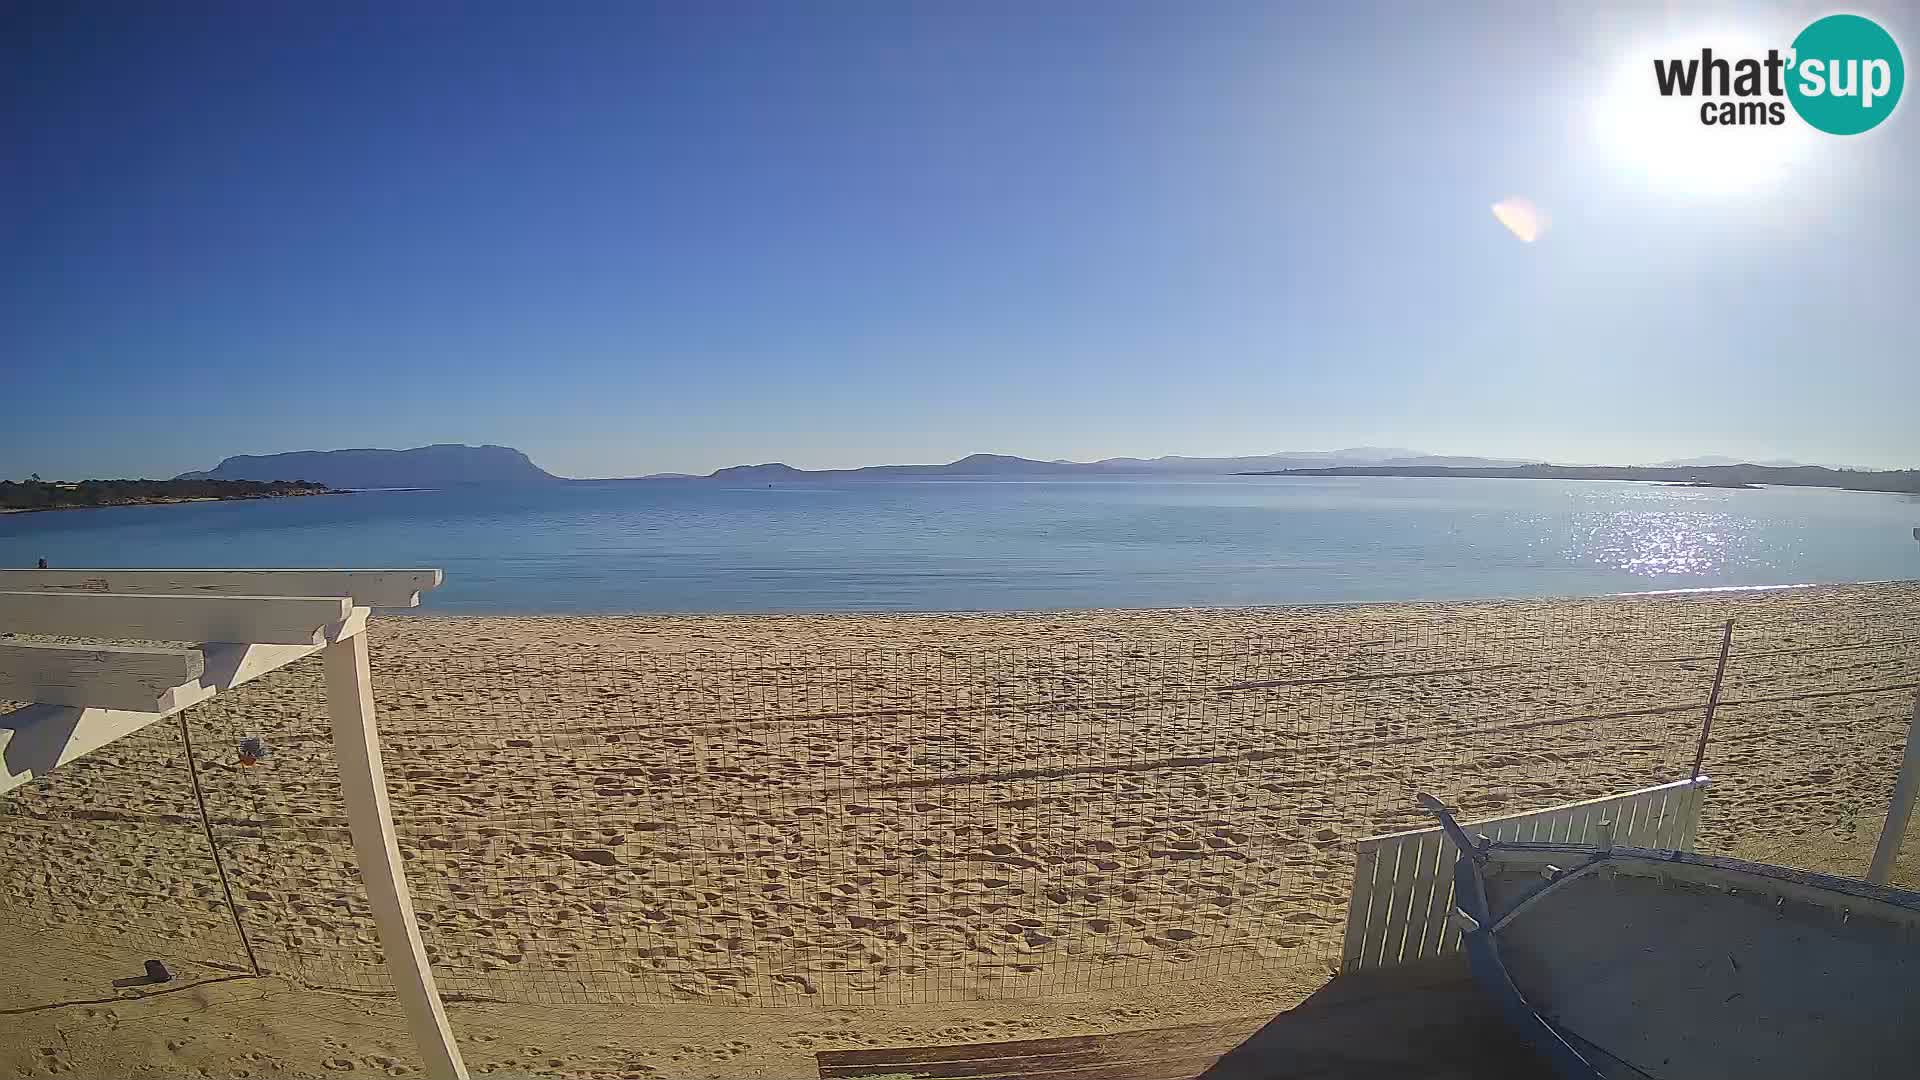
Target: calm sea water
x,y
622,546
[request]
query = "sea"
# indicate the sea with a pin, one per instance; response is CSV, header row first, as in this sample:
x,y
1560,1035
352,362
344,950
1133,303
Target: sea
x,y
992,545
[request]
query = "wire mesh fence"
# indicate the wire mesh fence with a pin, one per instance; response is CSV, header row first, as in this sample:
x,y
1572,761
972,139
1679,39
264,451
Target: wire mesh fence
x,y
1807,744
110,852
603,818
279,820
233,865
906,825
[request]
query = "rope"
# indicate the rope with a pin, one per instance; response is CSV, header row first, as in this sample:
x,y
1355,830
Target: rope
x,y
206,824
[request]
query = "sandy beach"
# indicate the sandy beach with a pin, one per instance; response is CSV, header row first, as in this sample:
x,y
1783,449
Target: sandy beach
x,y
712,845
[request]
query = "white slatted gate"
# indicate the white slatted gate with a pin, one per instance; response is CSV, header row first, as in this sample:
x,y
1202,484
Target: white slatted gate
x,y
1403,882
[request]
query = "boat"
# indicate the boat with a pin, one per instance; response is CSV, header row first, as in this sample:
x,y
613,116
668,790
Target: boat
x,y
1632,963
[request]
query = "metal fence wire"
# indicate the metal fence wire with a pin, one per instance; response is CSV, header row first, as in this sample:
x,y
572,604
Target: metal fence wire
x,y
592,819
907,825
110,851
266,759
1807,742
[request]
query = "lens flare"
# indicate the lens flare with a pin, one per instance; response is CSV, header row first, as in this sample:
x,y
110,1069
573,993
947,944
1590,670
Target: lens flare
x,y
1521,218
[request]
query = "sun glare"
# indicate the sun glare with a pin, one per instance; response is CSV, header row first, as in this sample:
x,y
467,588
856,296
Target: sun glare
x,y
1521,218
1661,142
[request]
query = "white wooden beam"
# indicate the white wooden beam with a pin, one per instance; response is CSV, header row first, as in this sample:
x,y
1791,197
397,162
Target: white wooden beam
x,y
271,620
356,743
1696,784
37,739
367,588
230,664
102,676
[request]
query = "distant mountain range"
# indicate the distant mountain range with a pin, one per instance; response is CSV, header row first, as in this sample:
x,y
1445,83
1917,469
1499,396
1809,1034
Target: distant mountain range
x,y
988,465
440,465
1721,459
1906,481
450,465
447,465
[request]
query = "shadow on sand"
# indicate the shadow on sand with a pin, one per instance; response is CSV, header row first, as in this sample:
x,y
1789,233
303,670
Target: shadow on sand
x,y
1423,1021
1428,1022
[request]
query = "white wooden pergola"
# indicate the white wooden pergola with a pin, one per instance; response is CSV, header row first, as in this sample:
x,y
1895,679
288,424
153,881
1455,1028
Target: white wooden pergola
x,y
247,623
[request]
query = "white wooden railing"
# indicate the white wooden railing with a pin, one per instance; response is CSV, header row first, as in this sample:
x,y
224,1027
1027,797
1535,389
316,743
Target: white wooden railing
x,y
1403,882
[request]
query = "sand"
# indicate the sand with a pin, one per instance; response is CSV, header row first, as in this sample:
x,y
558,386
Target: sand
x,y
711,845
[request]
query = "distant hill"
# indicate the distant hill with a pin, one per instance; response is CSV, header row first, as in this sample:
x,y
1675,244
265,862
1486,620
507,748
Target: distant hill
x,y
988,465
1721,459
1285,459
440,465
1905,481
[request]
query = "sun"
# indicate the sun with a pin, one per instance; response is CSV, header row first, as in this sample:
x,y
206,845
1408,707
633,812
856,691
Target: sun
x,y
1660,142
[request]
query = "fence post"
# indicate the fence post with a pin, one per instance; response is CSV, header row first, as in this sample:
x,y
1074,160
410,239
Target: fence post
x,y
1713,698
356,743
1900,811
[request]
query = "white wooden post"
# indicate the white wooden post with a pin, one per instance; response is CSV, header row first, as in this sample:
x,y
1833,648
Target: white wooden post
x,y
356,743
1901,809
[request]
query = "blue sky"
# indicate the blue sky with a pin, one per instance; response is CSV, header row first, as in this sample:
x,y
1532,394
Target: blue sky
x,y
631,240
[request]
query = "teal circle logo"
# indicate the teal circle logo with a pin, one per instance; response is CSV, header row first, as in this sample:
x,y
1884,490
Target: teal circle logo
x,y
1847,75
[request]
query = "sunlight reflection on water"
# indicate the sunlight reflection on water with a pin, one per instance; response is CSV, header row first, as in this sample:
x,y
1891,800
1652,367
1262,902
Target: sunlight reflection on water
x,y
1651,543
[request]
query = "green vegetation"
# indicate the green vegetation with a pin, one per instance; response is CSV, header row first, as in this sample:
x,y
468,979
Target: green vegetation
x,y
34,493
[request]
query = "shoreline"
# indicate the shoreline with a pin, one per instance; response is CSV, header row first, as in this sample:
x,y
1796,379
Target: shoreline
x,y
170,502
426,612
